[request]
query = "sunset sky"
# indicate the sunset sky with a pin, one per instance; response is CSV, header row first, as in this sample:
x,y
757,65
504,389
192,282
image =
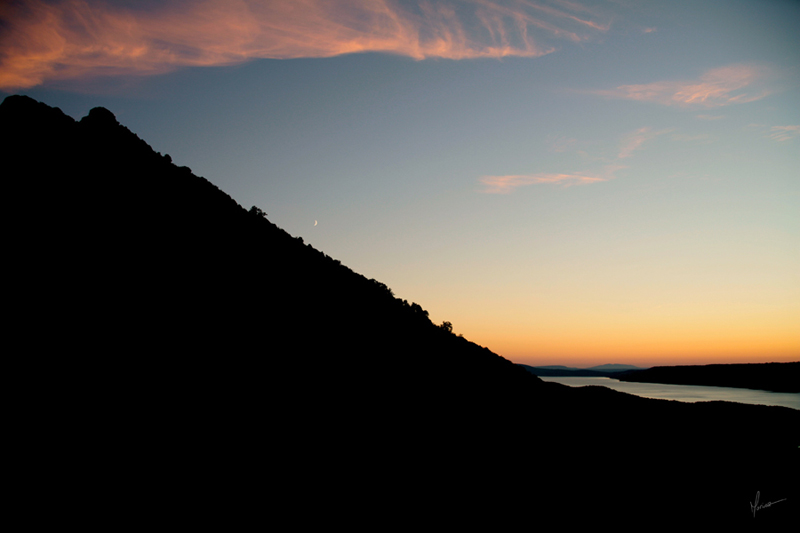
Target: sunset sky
x,y
567,182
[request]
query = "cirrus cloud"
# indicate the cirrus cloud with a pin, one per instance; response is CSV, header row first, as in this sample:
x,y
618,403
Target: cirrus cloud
x,y
69,39
733,84
506,184
784,133
635,140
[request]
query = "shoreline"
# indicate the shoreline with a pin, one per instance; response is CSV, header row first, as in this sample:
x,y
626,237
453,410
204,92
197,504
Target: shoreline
x,y
684,393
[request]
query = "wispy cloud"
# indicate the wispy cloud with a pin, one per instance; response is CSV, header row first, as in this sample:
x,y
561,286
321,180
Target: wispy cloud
x,y
506,184
635,140
734,84
43,41
559,143
701,138
784,133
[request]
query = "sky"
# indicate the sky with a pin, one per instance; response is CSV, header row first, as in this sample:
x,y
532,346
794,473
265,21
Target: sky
x,y
567,182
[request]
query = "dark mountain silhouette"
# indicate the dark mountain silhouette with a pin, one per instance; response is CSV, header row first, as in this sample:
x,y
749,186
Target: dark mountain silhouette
x,y
183,355
775,377
566,372
613,367
604,371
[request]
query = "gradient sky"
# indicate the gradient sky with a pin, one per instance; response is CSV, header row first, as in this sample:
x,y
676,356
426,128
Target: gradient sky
x,y
567,182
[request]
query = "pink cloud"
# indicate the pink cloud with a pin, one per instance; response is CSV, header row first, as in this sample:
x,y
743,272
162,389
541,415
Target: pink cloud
x,y
702,138
784,133
637,139
559,13
559,143
506,184
44,41
734,84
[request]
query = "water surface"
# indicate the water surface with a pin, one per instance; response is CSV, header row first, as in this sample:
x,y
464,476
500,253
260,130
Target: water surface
x,y
686,393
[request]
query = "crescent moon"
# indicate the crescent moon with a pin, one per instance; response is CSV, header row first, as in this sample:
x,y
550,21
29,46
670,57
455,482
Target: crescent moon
x,y
315,222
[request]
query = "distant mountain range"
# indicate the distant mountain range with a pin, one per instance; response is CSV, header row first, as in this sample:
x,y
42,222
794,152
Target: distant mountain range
x,y
608,370
177,352
613,368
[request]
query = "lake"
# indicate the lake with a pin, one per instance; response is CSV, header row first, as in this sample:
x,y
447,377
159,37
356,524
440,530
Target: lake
x,y
686,393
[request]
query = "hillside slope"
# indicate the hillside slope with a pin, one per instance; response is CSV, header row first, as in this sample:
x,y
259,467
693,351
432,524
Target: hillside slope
x,y
196,351
159,257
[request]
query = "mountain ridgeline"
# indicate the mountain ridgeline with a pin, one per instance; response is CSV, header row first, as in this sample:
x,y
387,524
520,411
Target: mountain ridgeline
x,y
221,360
162,260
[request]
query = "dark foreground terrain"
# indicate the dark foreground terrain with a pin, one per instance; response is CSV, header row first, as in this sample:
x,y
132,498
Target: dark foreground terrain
x,y
186,361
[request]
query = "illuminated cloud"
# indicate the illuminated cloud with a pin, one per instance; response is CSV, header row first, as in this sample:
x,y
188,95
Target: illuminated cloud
x,y
559,143
506,184
637,139
702,138
735,84
68,39
784,133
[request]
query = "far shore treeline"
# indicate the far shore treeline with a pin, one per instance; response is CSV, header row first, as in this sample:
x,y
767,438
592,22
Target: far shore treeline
x,y
774,377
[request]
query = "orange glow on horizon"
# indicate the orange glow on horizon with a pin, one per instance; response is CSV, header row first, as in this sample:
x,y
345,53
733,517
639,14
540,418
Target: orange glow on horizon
x,y
643,343
584,326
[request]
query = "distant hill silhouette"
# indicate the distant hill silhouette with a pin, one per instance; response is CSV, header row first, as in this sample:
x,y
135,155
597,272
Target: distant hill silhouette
x,y
183,354
775,377
614,367
605,371
554,371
